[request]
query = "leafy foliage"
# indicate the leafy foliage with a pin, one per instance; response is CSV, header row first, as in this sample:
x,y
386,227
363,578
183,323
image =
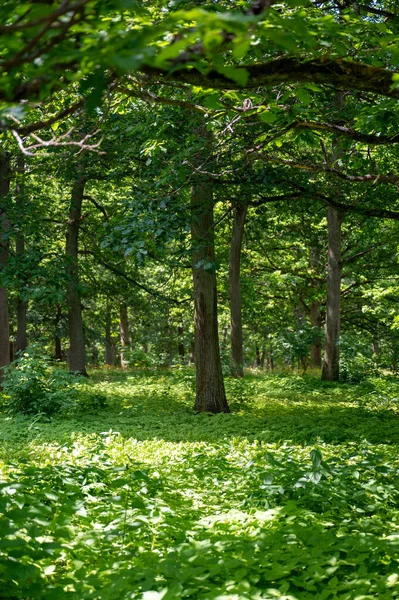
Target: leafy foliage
x,y
293,496
33,386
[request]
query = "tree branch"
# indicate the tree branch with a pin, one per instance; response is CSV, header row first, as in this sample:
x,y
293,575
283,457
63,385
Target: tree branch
x,y
340,73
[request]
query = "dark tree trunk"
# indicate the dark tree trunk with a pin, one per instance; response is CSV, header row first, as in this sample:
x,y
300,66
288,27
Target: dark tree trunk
x,y
376,347
330,370
4,230
22,306
76,353
270,359
57,334
109,346
258,360
180,345
240,213
124,334
210,392
263,357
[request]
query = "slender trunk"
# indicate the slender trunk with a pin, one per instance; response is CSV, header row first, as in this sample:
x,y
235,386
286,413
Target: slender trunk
x,y
270,359
22,306
258,357
4,230
210,392
77,353
109,346
263,357
124,334
240,213
180,345
376,347
330,370
94,354
57,334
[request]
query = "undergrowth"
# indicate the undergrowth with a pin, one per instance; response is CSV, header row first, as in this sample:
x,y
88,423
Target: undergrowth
x,y
292,496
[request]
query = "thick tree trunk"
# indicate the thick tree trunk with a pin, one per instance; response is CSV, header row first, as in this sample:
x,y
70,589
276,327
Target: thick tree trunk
x,y
124,334
57,334
210,392
330,371
22,306
109,346
76,353
4,230
240,213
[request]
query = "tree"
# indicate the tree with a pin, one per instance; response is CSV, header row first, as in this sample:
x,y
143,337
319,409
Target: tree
x,y
5,227
210,392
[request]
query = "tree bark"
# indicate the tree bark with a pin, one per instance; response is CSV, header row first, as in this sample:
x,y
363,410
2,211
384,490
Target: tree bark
x,y
210,392
77,352
4,230
124,334
330,371
237,360
21,341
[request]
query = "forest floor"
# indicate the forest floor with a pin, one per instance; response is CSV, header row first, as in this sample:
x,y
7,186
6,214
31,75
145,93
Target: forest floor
x,y
293,496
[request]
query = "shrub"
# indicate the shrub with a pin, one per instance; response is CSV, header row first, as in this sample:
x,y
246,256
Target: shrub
x,y
32,386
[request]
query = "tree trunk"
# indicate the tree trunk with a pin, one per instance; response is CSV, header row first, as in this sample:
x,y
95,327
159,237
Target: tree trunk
x,y
124,334
109,346
180,345
240,213
57,334
330,370
4,230
76,353
22,306
263,357
270,359
210,392
257,353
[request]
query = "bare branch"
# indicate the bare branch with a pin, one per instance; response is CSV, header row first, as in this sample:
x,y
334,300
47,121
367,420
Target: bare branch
x,y
62,141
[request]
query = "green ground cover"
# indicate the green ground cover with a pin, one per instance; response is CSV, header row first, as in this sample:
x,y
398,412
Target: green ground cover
x,y
294,495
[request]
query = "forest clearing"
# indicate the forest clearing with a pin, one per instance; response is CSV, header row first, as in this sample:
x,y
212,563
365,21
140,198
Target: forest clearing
x,y
199,316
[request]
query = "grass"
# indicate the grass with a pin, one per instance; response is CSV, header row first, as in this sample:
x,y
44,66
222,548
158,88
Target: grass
x,y
292,496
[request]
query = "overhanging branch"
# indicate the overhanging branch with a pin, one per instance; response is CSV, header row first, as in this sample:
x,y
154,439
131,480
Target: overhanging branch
x,y
340,73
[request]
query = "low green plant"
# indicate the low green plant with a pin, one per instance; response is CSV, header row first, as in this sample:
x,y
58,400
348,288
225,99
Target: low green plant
x,y
292,496
32,385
